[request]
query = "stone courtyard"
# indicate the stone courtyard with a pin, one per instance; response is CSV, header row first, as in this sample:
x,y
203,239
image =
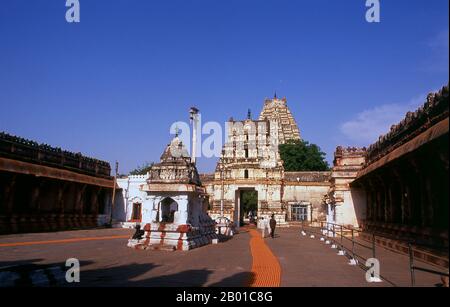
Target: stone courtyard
x,y
247,260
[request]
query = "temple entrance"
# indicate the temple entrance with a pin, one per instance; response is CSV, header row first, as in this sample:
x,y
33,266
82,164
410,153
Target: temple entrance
x,y
168,209
246,206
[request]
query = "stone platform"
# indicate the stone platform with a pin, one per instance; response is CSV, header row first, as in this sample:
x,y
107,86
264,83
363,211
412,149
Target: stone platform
x,y
162,236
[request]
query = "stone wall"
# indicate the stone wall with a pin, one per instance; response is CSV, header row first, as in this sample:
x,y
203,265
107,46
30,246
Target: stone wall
x,y
405,177
43,188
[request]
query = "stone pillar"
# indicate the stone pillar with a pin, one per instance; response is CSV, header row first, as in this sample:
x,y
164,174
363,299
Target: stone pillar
x,y
182,216
411,180
392,204
383,198
397,194
9,191
372,199
38,184
94,200
404,201
79,198
62,195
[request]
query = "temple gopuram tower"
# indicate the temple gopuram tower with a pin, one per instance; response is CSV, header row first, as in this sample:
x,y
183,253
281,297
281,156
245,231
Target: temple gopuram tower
x,y
277,110
250,162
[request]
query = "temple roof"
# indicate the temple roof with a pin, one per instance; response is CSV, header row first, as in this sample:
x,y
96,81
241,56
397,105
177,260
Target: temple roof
x,y
175,152
277,110
175,166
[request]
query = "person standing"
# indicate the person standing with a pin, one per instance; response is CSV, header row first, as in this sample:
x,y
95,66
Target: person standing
x,y
273,224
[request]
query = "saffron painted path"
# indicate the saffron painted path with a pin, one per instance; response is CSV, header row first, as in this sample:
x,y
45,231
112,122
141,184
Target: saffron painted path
x,y
266,270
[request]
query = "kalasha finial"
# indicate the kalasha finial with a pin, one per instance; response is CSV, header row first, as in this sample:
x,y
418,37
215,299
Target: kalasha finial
x,y
249,114
275,96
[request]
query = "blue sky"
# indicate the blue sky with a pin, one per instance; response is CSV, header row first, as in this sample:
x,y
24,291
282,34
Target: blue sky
x,y
111,85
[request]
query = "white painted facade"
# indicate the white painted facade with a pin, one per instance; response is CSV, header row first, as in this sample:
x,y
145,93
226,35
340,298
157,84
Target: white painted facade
x,y
128,197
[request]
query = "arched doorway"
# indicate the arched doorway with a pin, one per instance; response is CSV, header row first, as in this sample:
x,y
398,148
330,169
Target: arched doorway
x,y
168,209
136,213
136,210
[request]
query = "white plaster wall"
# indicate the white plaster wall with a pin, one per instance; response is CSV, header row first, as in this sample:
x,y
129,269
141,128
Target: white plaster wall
x,y
128,194
353,210
312,194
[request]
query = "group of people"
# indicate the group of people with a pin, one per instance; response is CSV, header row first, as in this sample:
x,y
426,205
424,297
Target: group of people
x,y
271,224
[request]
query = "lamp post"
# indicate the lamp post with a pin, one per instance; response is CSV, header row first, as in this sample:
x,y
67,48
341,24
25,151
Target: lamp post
x,y
193,116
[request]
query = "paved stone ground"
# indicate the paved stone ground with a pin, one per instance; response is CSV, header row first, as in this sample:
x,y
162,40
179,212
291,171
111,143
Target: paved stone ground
x,y
308,262
394,266
108,262
112,263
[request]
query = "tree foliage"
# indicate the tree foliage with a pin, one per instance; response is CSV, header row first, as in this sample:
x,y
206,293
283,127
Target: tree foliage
x,y
301,156
249,201
142,170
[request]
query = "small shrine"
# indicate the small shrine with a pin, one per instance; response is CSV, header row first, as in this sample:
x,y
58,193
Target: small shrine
x,y
174,213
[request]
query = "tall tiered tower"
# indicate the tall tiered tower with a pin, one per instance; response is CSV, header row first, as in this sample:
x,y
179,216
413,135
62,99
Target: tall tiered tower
x,y
277,110
251,161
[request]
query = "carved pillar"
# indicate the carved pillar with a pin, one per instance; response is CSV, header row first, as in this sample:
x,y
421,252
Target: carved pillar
x,y
61,200
94,200
383,196
425,197
414,178
9,191
396,195
81,188
35,202
366,191
371,201
404,201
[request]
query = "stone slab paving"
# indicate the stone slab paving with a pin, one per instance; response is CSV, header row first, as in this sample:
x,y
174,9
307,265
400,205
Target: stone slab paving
x,y
394,266
308,262
304,262
112,263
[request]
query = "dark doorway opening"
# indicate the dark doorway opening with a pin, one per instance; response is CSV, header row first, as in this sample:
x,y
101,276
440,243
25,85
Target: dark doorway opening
x,y
168,209
136,215
248,206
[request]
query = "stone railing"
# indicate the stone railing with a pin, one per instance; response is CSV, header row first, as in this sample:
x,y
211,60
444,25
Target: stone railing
x,y
138,177
18,148
433,111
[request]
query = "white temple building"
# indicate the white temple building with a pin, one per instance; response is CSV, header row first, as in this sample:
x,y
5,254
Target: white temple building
x,y
170,203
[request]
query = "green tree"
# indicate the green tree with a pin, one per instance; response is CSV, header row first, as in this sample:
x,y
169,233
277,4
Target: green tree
x,y
249,200
301,156
143,169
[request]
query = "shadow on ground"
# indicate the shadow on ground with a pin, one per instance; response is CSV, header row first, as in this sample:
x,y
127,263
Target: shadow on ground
x,y
32,273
